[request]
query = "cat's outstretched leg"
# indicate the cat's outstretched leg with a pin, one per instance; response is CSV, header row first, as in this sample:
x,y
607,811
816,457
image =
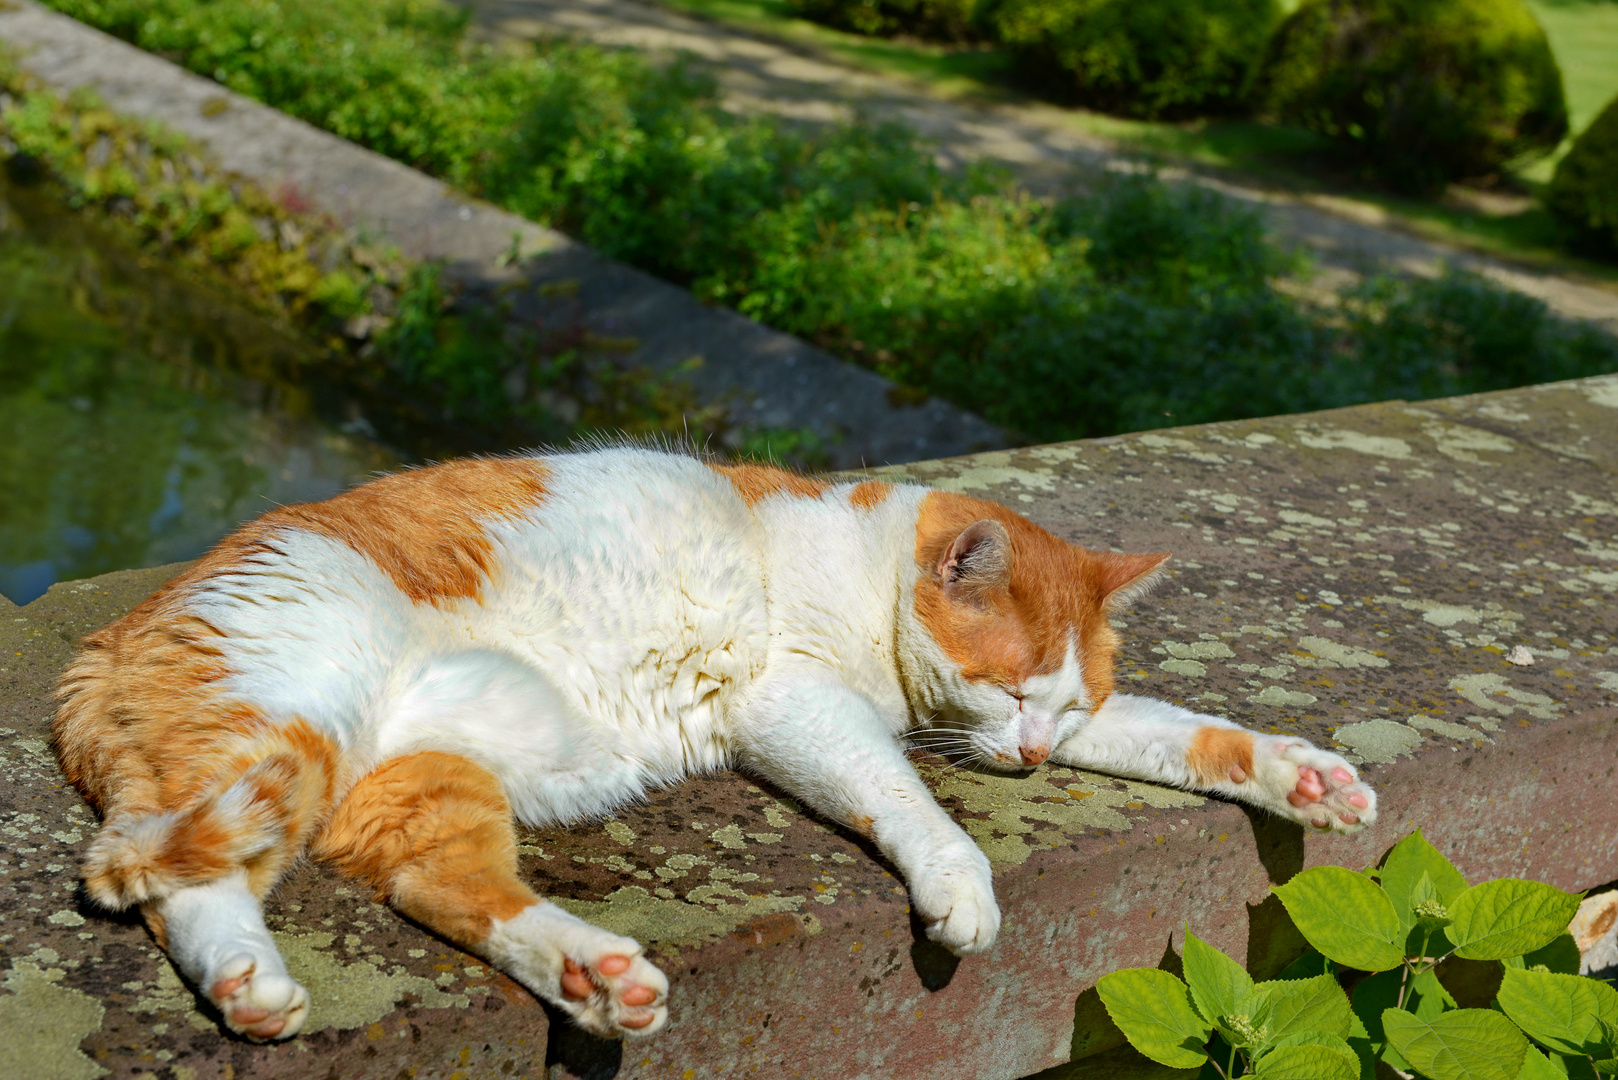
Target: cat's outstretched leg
x,y
197,839
215,935
826,745
1154,740
432,833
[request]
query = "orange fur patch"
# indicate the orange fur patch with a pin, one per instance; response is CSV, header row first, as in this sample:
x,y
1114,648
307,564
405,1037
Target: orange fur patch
x,y
143,727
1055,590
140,708
1215,751
432,834
242,802
423,527
869,495
755,483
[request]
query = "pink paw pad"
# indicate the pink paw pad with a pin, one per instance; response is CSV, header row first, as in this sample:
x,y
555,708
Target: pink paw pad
x,y
1320,789
258,1005
579,982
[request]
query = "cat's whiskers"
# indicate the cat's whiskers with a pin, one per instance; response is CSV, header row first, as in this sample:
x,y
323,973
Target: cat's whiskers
x,y
956,746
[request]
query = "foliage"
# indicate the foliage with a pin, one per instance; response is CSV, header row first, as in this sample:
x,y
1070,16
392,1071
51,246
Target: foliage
x,y
938,20
1460,334
395,332
1141,57
1399,937
1136,57
1584,190
1136,305
1419,92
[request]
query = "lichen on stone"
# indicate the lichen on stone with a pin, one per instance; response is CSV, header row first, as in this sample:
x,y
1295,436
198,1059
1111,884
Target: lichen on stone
x,y
352,995
44,1023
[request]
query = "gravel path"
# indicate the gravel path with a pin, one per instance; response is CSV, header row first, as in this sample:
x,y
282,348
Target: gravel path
x,y
759,75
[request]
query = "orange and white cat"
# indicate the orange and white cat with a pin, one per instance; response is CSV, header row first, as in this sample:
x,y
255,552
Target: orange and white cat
x,y
386,679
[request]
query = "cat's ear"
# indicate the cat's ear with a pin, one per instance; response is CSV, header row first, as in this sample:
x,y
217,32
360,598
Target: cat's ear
x,y
1123,579
977,561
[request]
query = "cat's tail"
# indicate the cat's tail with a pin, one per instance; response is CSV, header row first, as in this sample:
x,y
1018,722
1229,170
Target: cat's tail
x,y
256,812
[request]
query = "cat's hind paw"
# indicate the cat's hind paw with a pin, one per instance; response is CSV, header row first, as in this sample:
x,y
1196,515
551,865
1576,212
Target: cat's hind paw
x,y
954,898
597,977
1311,786
259,1004
618,994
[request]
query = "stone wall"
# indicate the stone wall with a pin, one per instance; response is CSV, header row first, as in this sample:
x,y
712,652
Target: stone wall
x,y
1362,577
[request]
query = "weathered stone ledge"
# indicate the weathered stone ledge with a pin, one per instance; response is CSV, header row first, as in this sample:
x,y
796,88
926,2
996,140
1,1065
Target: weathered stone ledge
x,y
765,378
1356,576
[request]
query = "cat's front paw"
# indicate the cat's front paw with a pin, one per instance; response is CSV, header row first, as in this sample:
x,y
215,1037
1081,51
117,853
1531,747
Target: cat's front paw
x,y
258,1003
1311,786
953,895
597,977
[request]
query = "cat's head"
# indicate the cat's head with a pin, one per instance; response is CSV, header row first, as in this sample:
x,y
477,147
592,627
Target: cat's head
x,y
1009,648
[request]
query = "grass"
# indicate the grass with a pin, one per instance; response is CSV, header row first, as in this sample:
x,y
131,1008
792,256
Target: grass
x,y
1583,35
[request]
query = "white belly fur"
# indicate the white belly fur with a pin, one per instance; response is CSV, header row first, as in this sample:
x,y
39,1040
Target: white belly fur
x,y
623,616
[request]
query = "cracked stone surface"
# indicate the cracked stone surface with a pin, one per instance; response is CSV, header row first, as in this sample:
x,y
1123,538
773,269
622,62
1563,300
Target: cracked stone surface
x,y
1359,577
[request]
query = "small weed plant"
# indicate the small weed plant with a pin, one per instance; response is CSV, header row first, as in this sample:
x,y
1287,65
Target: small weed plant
x,y
1411,967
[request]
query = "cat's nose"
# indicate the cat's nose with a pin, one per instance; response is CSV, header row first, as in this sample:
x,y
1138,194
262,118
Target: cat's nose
x,y
1033,755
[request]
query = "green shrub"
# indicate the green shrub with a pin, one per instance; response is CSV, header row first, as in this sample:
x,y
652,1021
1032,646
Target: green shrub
x,y
1140,57
938,20
1584,190
1140,305
361,314
1460,334
1398,938
1417,93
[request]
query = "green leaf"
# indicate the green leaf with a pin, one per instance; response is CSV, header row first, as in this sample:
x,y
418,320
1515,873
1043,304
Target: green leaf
x,y
1306,966
1314,1038
1372,996
1347,916
1607,1044
1218,983
1306,1005
1563,1012
1535,1066
1508,917
1467,1044
1561,956
1571,1068
1154,1011
1308,1060
1403,869
1428,997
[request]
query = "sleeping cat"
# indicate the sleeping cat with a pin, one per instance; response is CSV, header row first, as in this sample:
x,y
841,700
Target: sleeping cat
x,y
386,679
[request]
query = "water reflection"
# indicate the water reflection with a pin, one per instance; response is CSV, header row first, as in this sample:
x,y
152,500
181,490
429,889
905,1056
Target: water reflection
x,y
129,433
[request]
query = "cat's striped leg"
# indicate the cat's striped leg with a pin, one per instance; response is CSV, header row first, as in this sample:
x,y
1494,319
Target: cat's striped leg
x,y
1154,740
432,833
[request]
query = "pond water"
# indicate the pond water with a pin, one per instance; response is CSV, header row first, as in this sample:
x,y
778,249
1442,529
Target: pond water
x,y
133,430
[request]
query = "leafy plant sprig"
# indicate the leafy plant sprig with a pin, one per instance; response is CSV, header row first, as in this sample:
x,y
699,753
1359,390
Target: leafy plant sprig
x,y
1395,936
